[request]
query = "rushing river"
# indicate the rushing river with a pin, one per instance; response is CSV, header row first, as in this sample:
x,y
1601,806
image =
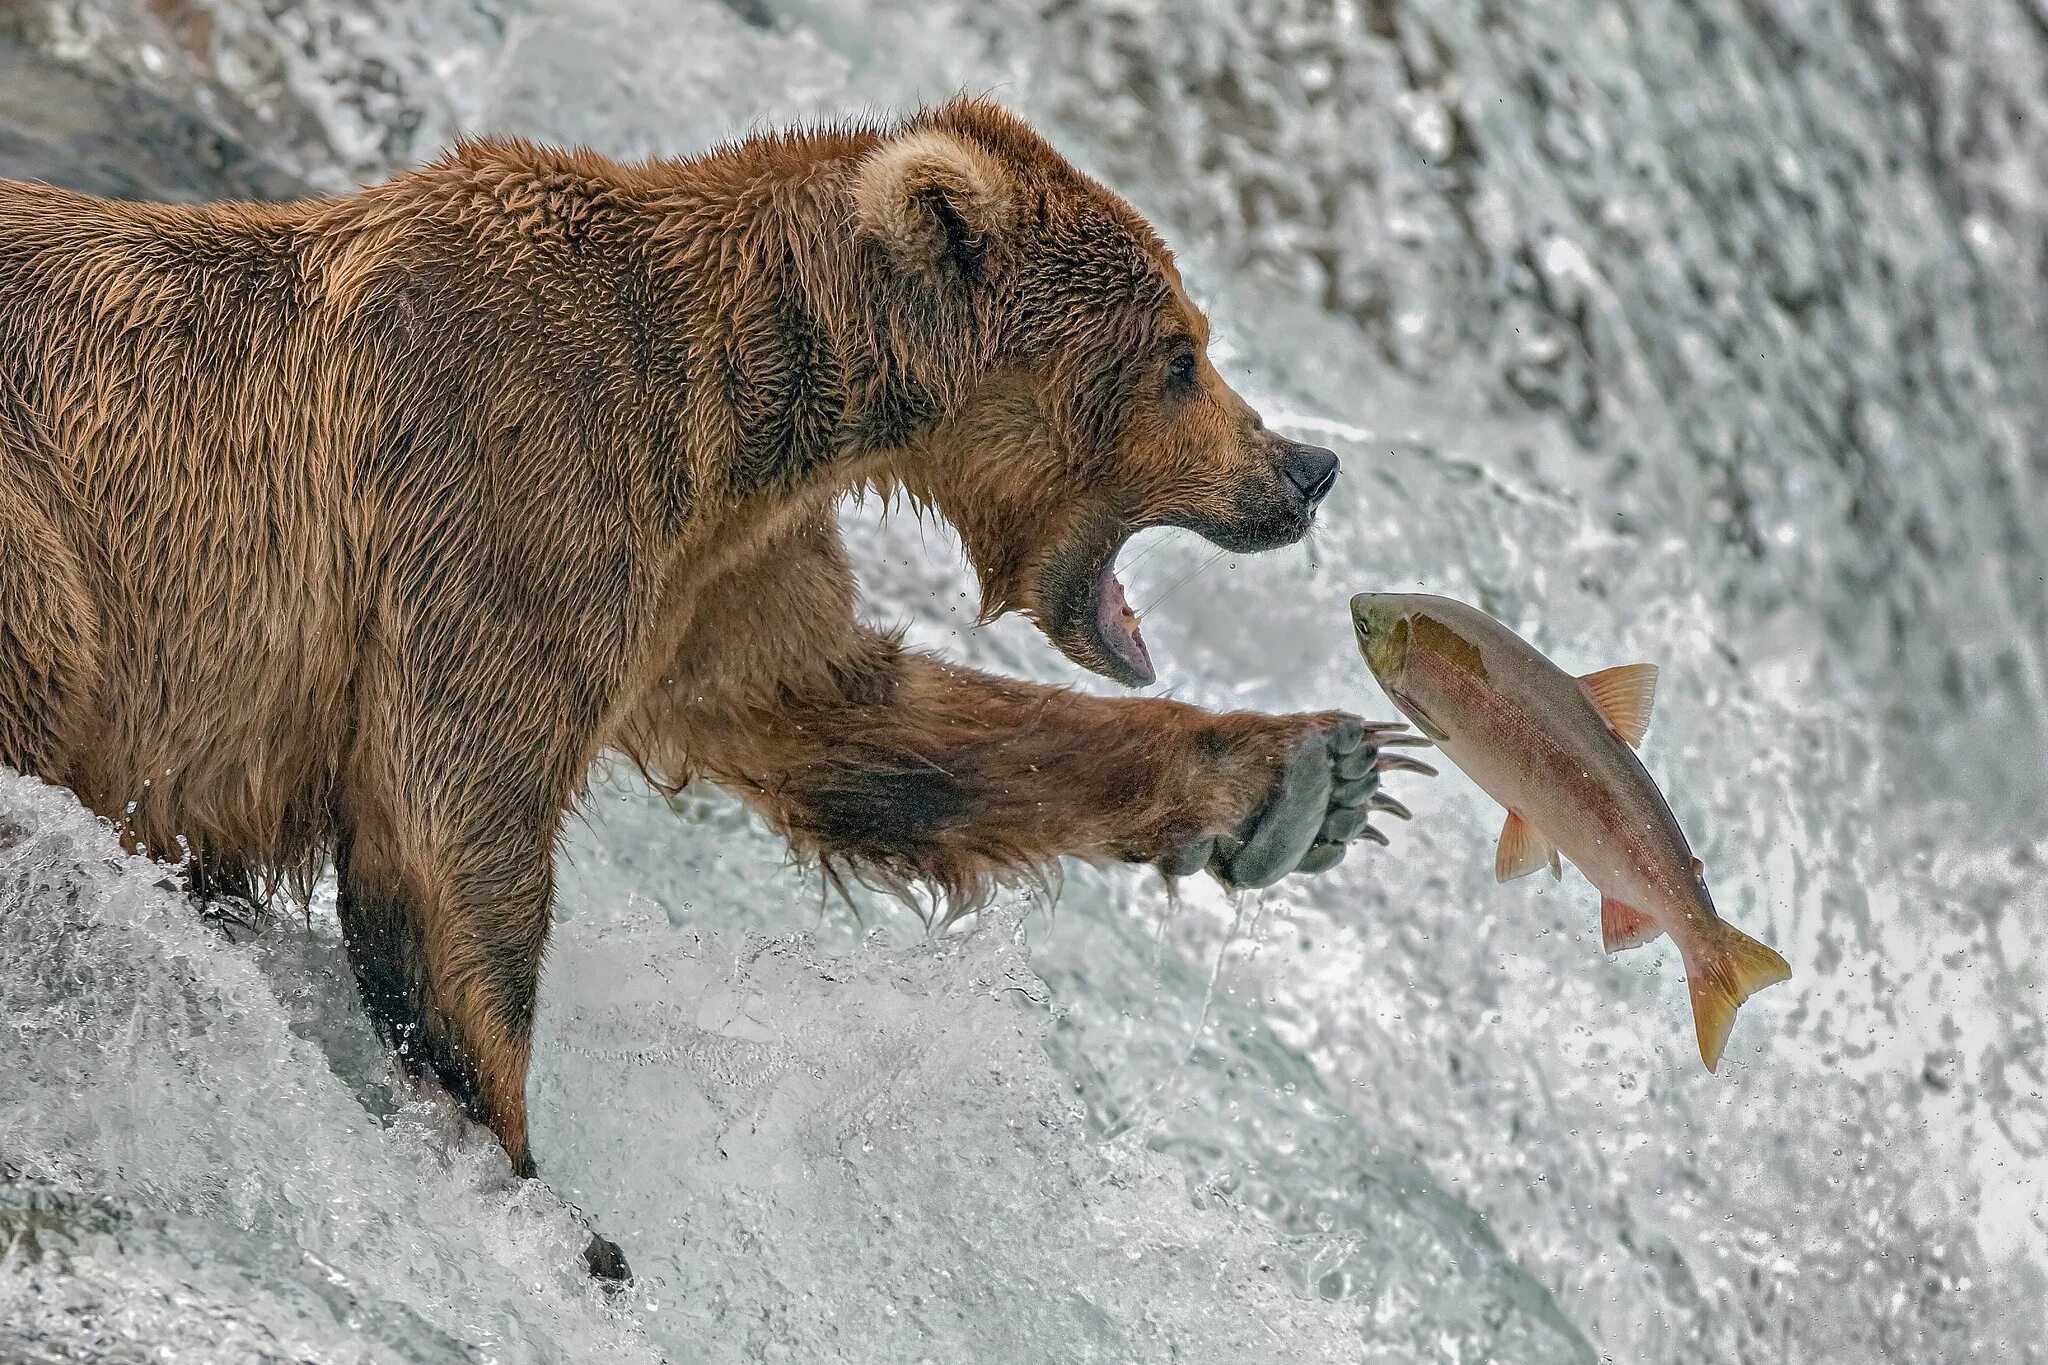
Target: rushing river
x,y
1703,332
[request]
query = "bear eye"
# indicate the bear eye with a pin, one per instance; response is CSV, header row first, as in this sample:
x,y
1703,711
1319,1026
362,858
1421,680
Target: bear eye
x,y
1180,374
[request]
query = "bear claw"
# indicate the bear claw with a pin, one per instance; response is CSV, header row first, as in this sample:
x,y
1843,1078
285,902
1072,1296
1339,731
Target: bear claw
x,y
1322,802
1342,823
1322,857
1188,859
1356,790
605,1261
1355,765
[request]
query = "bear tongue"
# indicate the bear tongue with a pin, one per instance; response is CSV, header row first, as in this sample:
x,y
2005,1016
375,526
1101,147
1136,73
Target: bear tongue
x,y
1117,624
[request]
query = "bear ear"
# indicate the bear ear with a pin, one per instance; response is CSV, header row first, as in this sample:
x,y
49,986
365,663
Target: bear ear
x,y
936,203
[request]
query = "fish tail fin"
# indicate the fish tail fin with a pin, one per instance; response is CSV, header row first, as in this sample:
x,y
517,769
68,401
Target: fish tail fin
x,y
1722,971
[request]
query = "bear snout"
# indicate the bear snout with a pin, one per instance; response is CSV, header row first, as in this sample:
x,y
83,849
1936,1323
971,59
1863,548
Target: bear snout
x,y
1311,470
1276,501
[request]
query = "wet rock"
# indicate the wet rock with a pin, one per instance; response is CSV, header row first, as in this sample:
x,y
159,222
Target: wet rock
x,y
68,127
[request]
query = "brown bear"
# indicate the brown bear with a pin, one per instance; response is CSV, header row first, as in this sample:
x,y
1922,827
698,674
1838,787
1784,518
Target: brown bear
x,y
354,530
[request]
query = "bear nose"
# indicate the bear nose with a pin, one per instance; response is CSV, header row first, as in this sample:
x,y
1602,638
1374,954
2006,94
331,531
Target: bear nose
x,y
1311,469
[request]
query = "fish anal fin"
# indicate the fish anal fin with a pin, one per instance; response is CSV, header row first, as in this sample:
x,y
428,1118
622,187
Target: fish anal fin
x,y
1623,927
1623,696
1721,973
1521,850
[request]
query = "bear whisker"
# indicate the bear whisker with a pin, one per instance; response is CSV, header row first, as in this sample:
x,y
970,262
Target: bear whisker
x,y
1185,579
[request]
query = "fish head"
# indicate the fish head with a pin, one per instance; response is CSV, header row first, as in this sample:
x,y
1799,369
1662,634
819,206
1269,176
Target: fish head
x,y
1380,620
1413,644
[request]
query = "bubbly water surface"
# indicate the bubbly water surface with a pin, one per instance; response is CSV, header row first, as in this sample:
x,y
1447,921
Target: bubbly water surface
x,y
1703,333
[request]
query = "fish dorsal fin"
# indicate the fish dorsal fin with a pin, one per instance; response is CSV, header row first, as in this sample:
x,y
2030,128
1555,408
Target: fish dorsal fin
x,y
1522,851
1623,697
1622,926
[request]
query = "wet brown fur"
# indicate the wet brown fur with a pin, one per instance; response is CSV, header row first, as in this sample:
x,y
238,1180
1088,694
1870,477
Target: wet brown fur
x,y
356,529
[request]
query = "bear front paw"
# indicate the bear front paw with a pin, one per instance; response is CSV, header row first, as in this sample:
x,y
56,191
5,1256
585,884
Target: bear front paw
x,y
1322,801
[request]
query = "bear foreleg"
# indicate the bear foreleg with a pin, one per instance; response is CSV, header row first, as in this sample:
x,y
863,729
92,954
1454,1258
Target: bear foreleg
x,y
448,966
926,772
445,904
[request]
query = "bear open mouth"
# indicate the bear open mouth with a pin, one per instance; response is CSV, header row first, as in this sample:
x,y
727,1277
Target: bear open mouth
x,y
1116,625
1082,606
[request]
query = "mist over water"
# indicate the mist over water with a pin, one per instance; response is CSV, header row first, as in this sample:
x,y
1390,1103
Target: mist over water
x,y
1707,334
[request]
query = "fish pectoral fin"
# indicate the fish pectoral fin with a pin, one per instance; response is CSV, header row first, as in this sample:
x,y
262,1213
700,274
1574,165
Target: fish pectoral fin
x,y
1623,927
1721,973
1522,850
1414,712
1623,697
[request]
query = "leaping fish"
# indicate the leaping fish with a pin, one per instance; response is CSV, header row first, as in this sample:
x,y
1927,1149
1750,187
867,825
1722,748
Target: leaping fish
x,y
1559,753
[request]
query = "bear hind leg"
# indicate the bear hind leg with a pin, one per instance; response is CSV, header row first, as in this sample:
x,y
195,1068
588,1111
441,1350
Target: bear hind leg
x,y
49,642
450,980
466,1035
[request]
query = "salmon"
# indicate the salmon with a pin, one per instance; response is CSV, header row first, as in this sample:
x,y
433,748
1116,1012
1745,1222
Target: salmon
x,y
1559,753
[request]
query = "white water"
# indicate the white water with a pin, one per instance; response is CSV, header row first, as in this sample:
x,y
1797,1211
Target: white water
x,y
1677,332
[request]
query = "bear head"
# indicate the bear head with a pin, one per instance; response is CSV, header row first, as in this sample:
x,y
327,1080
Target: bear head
x,y
1077,404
